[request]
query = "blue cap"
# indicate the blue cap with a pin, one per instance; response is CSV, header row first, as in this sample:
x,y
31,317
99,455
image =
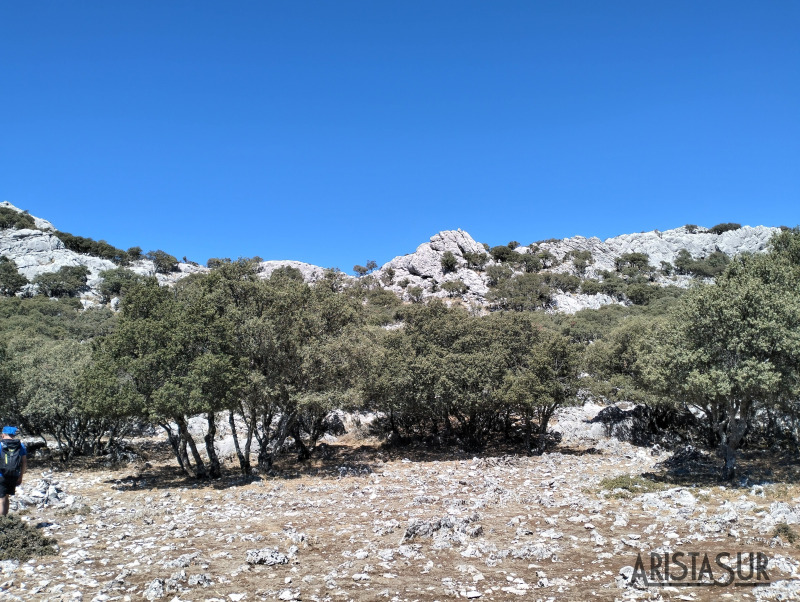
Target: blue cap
x,y
10,430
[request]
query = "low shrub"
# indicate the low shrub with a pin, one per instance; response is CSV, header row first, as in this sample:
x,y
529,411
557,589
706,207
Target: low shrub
x,y
19,541
625,485
784,531
727,227
16,220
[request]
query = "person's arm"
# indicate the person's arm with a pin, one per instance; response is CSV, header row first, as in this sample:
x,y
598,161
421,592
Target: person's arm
x,y
23,467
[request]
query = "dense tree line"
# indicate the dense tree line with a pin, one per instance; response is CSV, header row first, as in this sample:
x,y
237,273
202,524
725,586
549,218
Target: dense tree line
x,y
274,357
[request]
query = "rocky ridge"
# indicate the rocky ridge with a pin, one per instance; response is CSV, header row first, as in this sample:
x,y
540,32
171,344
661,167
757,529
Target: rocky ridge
x,y
421,273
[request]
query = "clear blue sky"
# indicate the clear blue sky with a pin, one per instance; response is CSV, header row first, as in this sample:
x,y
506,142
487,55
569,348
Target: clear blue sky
x,y
339,131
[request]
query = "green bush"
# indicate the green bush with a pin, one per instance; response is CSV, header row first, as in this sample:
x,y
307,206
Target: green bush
x,y
503,254
16,220
495,274
415,293
643,294
633,263
525,292
454,288
704,267
691,228
476,261
11,281
591,286
116,282
388,276
565,282
449,262
19,541
530,263
581,259
630,485
726,227
95,248
163,261
68,281
613,286
784,531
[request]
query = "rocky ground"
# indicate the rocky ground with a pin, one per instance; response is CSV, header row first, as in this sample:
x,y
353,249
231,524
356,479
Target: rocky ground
x,y
365,523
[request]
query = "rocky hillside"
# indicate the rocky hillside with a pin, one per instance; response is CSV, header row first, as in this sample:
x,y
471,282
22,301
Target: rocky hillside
x,y
451,265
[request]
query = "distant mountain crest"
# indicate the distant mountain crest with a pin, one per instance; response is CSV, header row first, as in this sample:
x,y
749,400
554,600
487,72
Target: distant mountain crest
x,y
450,265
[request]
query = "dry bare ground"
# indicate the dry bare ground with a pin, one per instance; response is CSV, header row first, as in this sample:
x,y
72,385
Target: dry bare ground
x,y
366,523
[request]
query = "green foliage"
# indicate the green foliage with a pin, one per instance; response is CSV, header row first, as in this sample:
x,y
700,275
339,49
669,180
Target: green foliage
x,y
786,244
404,283
68,281
415,293
449,262
590,325
164,262
730,349
503,254
705,267
545,259
453,288
633,264
217,262
691,228
590,286
449,375
530,263
388,276
513,244
16,220
116,282
495,274
360,270
11,281
614,360
784,531
562,281
643,294
95,248
613,286
667,268
526,292
20,541
287,272
626,486
134,253
48,346
726,227
581,259
476,261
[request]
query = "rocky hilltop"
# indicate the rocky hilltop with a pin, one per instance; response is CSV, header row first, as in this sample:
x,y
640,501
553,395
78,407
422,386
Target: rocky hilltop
x,y
423,274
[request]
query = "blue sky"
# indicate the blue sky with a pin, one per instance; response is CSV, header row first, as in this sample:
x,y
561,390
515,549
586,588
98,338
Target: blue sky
x,y
337,132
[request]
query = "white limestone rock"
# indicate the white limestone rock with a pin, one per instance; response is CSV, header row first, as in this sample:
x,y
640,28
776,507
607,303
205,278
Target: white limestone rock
x,y
661,246
423,268
311,273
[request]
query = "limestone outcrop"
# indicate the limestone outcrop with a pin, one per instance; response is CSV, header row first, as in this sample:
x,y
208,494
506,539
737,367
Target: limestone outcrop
x,y
422,274
423,268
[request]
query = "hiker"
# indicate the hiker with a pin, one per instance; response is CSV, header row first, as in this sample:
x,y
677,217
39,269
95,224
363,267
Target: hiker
x,y
13,462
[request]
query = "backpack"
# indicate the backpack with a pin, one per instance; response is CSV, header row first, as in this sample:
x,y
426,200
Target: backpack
x,y
10,457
